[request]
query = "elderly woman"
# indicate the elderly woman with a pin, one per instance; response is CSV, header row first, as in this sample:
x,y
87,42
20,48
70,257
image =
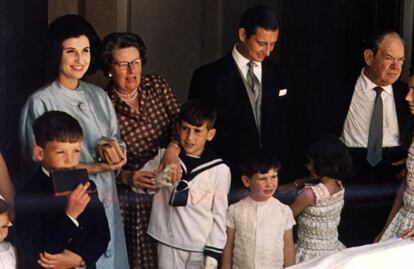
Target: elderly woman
x,y
73,46
147,112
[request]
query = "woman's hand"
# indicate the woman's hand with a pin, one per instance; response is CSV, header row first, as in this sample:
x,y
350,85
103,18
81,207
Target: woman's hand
x,y
96,168
170,158
138,179
64,260
142,179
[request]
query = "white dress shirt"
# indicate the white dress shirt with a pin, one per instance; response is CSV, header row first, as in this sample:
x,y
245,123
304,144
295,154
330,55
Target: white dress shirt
x,y
242,64
356,127
255,98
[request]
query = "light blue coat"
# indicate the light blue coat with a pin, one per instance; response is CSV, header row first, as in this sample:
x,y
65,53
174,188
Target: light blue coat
x,y
91,106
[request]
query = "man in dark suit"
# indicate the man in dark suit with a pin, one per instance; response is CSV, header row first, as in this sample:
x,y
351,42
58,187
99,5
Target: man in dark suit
x,y
246,89
374,130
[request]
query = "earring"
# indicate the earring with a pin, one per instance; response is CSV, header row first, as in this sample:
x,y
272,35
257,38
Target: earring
x,y
109,75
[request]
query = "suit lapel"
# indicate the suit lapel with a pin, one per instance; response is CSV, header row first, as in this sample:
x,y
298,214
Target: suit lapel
x,y
236,85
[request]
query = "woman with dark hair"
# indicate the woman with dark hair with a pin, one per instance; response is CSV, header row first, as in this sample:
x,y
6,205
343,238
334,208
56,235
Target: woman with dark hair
x,y
147,112
72,42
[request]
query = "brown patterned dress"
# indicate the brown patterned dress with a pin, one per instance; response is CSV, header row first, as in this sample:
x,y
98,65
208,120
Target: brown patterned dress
x,y
144,131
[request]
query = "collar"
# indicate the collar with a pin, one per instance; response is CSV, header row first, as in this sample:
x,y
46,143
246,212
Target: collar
x,y
62,87
367,85
241,61
45,171
192,166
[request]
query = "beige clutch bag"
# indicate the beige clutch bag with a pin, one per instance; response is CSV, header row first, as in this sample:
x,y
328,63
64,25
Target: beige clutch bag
x,y
109,151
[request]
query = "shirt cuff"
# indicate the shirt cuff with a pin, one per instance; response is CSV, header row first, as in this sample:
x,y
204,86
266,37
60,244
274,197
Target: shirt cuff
x,y
73,220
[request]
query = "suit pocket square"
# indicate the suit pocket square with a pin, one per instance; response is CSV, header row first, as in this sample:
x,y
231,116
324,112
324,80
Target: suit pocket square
x,y
282,92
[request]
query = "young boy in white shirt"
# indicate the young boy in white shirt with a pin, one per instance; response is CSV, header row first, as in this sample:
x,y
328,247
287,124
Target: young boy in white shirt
x,y
259,227
188,219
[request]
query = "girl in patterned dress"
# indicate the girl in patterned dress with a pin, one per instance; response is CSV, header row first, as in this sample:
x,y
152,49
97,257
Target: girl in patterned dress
x,y
318,207
400,222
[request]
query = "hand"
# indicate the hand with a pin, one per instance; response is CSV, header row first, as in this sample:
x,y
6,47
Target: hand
x,y
403,172
142,179
104,167
171,158
66,259
78,200
286,188
399,162
409,233
96,168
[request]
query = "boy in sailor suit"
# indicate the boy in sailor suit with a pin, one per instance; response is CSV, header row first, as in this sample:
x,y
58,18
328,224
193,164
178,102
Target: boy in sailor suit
x,y
188,219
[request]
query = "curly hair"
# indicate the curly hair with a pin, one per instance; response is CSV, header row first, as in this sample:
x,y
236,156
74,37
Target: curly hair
x,y
120,40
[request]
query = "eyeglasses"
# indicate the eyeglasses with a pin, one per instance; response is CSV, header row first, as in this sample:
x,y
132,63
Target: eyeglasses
x,y
124,65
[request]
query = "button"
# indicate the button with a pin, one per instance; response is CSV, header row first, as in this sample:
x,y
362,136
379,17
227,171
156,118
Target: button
x,y
105,202
83,107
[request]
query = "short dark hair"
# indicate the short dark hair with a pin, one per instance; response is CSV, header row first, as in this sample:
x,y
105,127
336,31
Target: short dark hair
x,y
4,206
330,158
120,40
259,162
197,112
62,28
259,16
373,41
56,126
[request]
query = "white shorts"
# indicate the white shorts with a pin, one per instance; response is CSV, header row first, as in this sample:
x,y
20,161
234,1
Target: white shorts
x,y
172,258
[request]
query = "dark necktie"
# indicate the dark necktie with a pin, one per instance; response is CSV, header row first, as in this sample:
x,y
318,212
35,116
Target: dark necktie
x,y
374,148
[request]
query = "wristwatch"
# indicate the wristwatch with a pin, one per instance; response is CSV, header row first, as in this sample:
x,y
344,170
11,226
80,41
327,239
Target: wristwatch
x,y
175,144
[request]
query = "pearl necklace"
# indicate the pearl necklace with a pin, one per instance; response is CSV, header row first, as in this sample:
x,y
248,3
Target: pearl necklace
x,y
129,97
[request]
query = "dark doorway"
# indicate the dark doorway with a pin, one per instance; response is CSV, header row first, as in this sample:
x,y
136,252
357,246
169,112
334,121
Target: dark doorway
x,y
23,24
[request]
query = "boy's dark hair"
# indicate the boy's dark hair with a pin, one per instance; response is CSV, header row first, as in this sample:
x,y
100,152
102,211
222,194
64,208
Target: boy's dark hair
x,y
330,158
4,206
197,112
259,16
373,41
62,28
259,162
56,126
120,40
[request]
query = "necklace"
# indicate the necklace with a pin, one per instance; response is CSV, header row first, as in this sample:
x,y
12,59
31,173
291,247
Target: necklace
x,y
129,97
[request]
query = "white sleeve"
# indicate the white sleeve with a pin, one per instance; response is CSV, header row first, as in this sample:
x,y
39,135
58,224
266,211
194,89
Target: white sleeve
x,y
217,237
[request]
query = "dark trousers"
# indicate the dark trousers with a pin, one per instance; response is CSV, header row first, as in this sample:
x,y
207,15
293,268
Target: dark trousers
x,y
369,195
